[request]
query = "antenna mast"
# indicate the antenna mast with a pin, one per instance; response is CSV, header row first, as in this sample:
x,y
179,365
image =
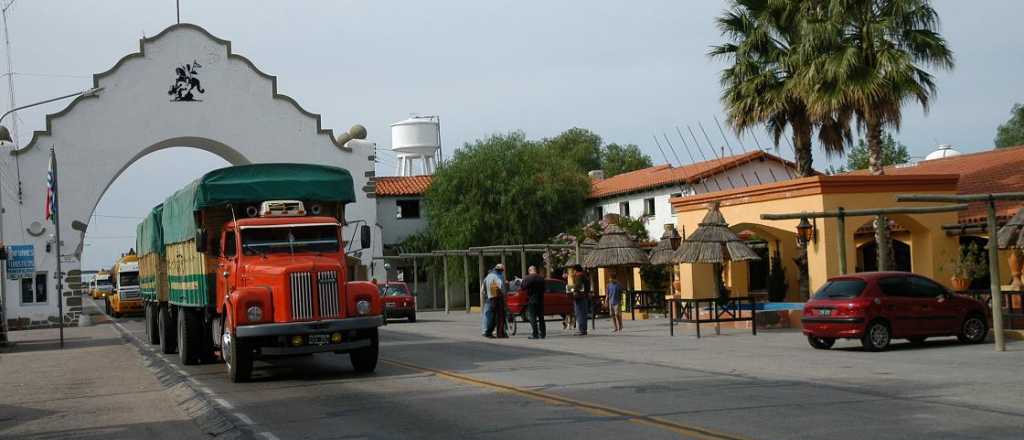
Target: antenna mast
x,y
10,75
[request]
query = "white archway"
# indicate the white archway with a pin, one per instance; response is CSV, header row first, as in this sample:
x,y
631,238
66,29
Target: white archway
x,y
183,88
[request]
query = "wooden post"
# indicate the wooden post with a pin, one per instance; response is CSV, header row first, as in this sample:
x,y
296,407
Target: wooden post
x,y
993,274
503,264
841,224
482,273
547,261
522,260
444,258
415,281
465,281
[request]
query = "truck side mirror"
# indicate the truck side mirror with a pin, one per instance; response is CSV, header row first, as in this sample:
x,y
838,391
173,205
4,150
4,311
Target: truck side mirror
x,y
364,236
201,240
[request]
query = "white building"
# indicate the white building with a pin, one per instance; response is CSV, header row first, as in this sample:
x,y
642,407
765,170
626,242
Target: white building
x,y
645,193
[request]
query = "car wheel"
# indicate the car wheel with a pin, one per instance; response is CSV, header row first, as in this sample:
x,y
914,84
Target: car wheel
x,y
364,360
877,336
917,340
412,317
821,343
974,330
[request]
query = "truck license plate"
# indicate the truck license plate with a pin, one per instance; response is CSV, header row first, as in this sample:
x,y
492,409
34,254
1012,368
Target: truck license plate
x,y
319,339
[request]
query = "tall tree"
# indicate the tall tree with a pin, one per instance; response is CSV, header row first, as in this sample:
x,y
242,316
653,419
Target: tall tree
x,y
868,57
893,153
579,145
761,86
1011,133
504,190
617,159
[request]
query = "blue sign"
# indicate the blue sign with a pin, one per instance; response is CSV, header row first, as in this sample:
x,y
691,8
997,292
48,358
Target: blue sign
x,y
21,261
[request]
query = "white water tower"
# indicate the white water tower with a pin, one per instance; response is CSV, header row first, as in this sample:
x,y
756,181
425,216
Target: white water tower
x,y
416,138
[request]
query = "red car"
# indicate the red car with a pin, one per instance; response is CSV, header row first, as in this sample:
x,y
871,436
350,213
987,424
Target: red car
x,y
556,301
398,302
877,307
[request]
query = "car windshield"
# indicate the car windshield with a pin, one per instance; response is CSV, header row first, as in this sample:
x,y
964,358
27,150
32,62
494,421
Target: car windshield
x,y
290,239
129,278
393,290
840,289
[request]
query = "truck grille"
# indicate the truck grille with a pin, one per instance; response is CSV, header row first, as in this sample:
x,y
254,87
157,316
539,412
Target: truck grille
x,y
302,295
130,293
328,289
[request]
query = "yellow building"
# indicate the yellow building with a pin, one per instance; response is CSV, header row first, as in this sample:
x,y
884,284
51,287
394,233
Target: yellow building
x,y
923,243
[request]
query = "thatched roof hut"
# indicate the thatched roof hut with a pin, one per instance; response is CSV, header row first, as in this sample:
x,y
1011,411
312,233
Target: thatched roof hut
x,y
1011,235
713,242
587,247
664,252
615,249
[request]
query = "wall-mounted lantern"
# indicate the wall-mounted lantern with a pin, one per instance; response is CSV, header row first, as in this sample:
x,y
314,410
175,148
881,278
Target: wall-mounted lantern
x,y
806,232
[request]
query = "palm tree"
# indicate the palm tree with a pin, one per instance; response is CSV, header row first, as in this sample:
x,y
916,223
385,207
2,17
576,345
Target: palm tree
x,y
866,57
762,84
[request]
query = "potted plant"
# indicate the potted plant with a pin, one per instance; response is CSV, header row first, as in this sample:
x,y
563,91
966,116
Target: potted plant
x,y
968,265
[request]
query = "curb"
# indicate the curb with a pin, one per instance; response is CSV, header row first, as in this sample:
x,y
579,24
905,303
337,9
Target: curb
x,y
203,412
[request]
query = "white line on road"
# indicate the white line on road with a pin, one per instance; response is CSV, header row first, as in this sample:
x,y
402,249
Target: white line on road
x,y
268,436
206,390
244,418
224,403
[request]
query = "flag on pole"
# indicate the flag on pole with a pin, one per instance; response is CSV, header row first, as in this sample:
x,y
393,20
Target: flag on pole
x,y
51,196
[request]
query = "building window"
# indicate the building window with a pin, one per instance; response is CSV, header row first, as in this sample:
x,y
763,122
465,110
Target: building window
x,y
649,207
599,212
624,209
33,290
408,208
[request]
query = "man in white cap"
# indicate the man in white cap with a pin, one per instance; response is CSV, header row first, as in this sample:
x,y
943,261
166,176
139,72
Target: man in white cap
x,y
494,289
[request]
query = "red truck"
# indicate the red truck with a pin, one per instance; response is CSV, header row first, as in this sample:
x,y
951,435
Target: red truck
x,y
254,261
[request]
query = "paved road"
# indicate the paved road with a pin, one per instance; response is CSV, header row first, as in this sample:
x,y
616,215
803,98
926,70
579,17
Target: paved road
x,y
438,379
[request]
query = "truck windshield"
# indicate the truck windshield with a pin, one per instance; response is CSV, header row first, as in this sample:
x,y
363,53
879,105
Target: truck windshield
x,y
104,284
129,279
290,239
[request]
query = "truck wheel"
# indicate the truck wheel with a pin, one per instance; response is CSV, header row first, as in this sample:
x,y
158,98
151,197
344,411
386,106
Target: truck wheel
x,y
106,306
238,357
190,337
152,326
167,329
364,360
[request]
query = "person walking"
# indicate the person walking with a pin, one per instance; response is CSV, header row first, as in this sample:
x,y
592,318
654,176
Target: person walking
x,y
581,298
614,297
494,289
535,287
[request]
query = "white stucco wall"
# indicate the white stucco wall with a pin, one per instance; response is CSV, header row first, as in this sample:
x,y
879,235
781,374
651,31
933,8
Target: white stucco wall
x,y
240,117
749,174
394,229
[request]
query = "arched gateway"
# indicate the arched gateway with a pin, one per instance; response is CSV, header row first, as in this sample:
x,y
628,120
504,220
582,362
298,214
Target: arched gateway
x,y
183,88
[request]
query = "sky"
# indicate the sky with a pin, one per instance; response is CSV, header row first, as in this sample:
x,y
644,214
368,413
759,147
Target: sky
x,y
626,70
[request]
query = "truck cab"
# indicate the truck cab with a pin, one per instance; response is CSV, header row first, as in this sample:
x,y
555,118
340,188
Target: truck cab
x,y
101,286
125,296
284,291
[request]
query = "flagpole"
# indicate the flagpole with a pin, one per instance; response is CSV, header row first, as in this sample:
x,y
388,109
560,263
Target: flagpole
x,y
56,227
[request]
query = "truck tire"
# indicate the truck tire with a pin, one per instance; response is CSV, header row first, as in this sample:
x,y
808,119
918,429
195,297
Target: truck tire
x,y
364,360
106,307
152,326
190,337
238,359
167,329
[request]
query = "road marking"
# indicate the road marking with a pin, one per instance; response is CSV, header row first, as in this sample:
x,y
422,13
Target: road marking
x,y
594,408
244,418
268,436
224,403
206,390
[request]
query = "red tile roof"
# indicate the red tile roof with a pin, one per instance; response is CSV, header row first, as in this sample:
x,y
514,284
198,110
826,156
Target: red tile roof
x,y
402,185
992,171
664,175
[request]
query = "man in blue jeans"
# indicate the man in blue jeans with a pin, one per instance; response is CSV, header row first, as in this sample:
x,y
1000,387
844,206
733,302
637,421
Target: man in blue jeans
x,y
614,297
493,282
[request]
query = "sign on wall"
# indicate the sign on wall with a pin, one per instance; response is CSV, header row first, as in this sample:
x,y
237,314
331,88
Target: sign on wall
x,y
21,261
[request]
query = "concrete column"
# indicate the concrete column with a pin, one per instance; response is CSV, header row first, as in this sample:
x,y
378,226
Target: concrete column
x,y
465,280
444,258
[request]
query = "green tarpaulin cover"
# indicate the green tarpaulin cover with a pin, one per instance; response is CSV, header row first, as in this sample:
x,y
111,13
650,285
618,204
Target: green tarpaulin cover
x,y
252,184
149,235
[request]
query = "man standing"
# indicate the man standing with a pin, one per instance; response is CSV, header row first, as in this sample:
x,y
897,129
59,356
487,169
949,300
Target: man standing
x,y
494,289
581,298
535,286
614,295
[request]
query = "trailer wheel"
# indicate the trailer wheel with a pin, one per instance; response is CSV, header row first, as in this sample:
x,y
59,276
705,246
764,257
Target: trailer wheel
x,y
190,337
152,326
167,329
238,357
364,360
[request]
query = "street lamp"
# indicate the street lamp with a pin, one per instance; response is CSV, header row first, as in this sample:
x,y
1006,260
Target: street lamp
x,y
5,138
804,232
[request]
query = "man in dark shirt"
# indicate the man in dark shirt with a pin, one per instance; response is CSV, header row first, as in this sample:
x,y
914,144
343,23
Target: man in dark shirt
x,y
534,285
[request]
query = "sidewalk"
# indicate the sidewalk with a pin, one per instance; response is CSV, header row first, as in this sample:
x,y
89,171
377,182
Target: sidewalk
x,y
96,387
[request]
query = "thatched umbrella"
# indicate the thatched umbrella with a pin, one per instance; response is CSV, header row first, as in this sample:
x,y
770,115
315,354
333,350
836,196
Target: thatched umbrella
x,y
714,243
615,249
587,246
1011,236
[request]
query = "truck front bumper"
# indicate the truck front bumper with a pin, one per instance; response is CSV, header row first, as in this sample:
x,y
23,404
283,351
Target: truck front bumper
x,y
304,328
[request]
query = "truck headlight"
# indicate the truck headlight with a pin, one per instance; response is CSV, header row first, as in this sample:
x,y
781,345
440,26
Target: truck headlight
x,y
363,307
254,313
